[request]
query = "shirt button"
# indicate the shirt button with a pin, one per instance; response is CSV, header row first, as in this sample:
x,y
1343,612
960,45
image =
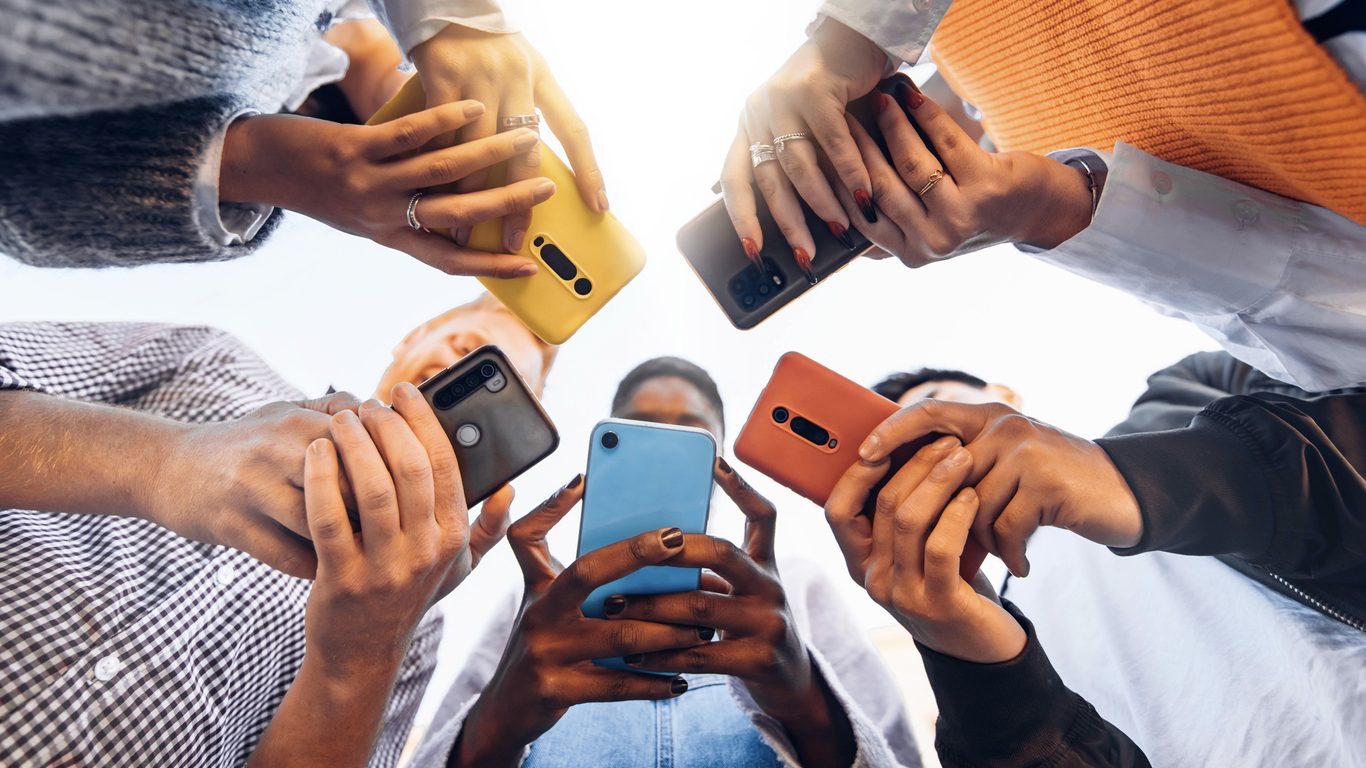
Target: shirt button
x,y
1162,182
106,668
1246,210
922,5
225,575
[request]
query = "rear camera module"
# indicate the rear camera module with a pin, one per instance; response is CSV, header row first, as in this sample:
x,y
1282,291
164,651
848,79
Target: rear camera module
x,y
780,415
609,440
809,431
487,370
752,289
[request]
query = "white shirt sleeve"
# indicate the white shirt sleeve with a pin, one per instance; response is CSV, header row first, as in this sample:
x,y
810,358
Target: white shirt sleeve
x,y
413,22
1278,283
226,223
902,28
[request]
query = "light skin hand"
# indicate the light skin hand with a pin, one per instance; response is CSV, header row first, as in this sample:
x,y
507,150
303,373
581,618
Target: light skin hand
x,y
373,585
511,78
983,199
547,665
745,601
360,179
909,561
807,94
1026,474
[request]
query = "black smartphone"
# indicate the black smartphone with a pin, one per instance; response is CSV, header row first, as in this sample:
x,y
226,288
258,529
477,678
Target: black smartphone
x,y
748,296
496,425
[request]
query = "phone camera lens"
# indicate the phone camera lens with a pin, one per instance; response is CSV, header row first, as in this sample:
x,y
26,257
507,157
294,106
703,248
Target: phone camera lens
x,y
780,415
609,440
487,370
748,301
737,287
583,286
457,390
444,399
472,380
538,242
764,289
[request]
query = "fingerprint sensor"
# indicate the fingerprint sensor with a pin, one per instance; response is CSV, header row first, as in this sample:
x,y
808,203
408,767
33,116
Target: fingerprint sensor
x,y
467,435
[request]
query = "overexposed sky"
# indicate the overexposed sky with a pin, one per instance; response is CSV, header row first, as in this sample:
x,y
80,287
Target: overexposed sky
x,y
660,86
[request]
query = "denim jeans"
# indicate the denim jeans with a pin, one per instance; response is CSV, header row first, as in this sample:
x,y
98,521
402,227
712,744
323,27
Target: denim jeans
x,y
703,727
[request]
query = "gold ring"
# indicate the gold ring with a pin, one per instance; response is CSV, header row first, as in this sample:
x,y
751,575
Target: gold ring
x,y
934,179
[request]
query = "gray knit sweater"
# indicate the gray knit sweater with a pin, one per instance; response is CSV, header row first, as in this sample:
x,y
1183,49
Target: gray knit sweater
x,y
106,108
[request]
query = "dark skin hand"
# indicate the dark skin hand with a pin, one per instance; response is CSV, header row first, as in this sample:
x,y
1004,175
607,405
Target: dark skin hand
x,y
547,666
759,644
1026,473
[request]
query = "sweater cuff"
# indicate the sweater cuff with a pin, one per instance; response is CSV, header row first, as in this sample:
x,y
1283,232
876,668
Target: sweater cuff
x,y
1200,490
990,712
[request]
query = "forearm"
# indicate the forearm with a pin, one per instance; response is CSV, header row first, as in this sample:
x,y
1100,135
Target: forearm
x,y
372,76
819,728
327,718
59,455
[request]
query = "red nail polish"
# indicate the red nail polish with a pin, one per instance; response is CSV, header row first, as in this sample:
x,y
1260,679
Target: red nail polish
x,y
803,260
837,229
865,204
752,251
912,96
880,103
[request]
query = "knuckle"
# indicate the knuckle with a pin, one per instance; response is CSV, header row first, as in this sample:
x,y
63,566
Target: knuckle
x,y
948,142
414,469
579,576
907,166
700,608
377,497
442,168
621,688
638,550
443,464
768,185
905,525
693,660
939,552
623,638
887,498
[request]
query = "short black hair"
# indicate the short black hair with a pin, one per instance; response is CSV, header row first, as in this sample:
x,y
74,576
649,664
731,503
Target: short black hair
x,y
669,366
898,384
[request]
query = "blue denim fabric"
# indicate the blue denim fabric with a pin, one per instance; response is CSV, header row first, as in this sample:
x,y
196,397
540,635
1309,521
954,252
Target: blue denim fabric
x,y
702,728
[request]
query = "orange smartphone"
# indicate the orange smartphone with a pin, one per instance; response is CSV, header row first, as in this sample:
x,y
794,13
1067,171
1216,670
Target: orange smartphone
x,y
806,429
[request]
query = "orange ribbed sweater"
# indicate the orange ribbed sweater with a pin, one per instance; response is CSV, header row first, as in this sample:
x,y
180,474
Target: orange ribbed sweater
x,y
1235,88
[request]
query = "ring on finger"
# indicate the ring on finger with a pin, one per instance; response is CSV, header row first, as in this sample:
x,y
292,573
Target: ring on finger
x,y
780,142
761,153
412,212
531,121
930,182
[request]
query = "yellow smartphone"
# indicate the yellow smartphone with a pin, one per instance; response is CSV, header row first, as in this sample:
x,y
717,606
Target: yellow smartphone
x,y
585,258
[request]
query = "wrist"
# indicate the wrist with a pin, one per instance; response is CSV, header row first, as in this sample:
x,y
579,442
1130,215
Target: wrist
x,y
1063,209
154,478
483,743
991,642
238,176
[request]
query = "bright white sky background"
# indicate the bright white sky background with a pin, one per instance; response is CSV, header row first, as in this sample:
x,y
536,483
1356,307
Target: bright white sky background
x,y
660,85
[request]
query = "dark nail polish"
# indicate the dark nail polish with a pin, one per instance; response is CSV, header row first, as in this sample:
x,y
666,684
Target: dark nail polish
x,y
752,251
614,605
865,204
724,466
912,97
841,234
679,685
672,538
706,634
633,658
575,482
803,260
880,102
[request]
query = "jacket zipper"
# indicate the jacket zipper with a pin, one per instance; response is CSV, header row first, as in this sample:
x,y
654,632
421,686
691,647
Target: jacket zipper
x,y
1329,610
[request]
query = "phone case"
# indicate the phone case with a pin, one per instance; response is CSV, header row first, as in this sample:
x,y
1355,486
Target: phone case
x,y
585,258
806,429
711,246
655,476
496,425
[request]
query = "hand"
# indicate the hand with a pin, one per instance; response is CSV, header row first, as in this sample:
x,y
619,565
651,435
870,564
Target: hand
x,y
547,665
981,200
909,561
241,483
1026,473
509,76
359,179
807,94
759,644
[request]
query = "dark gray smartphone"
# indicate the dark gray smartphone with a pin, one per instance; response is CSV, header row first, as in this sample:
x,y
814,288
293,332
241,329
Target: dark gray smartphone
x,y
746,295
496,425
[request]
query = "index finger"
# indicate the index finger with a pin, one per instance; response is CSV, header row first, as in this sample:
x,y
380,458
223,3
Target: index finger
x,y
526,537
448,491
844,512
411,132
761,518
572,132
827,122
962,420
613,562
722,556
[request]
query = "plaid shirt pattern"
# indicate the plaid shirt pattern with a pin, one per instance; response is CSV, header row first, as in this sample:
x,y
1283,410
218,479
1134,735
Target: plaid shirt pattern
x,y
121,643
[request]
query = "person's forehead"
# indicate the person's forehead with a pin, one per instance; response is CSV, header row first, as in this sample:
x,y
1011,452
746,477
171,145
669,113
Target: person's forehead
x,y
930,388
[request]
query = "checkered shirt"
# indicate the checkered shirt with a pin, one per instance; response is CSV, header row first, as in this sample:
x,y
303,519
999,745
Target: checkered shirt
x,y
121,643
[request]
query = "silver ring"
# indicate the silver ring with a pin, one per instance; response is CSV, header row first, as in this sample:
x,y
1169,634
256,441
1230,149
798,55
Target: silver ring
x,y
520,121
412,212
779,141
761,153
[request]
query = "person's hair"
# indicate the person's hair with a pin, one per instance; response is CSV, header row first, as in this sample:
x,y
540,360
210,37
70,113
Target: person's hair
x,y
898,384
669,366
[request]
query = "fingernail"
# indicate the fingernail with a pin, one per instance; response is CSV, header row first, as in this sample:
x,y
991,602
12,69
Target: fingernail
x,y
705,634
515,242
462,236
803,260
316,447
544,190
1026,568
345,417
945,443
614,605
869,448
633,658
572,484
967,495
865,205
525,141
405,390
724,466
474,109
957,457
880,103
841,234
679,685
672,538
371,404
911,97
526,270
602,200
752,251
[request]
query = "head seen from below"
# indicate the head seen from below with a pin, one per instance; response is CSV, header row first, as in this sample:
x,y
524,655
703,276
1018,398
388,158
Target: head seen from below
x,y
670,390
944,384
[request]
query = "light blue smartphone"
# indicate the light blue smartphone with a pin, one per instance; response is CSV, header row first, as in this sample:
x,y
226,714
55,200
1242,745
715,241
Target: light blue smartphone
x,y
643,477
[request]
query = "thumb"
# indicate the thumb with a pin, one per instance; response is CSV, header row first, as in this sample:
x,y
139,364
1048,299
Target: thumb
x,y
332,403
491,525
